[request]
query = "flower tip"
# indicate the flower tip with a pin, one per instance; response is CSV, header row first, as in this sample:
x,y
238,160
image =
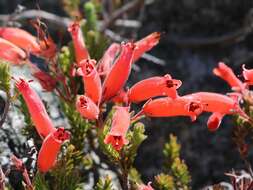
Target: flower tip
x,y
73,27
116,141
61,134
214,122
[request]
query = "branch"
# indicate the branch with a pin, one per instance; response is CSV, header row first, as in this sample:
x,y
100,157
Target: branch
x,y
31,14
119,12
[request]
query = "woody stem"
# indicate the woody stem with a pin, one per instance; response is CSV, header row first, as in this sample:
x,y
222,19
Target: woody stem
x,y
124,172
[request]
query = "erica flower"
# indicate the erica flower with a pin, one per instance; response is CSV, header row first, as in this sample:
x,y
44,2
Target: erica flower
x,y
215,102
81,51
20,38
154,86
146,44
227,74
119,72
36,108
145,187
168,107
108,58
214,121
86,107
11,52
248,75
91,79
50,148
120,124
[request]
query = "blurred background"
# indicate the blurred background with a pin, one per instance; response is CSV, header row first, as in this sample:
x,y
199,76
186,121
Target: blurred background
x,y
197,34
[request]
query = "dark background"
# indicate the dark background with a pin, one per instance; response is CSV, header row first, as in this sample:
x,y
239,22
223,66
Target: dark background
x,y
197,34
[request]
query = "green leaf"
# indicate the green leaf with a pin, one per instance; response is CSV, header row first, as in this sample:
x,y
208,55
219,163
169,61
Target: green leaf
x,y
135,137
39,182
5,76
164,182
104,184
172,148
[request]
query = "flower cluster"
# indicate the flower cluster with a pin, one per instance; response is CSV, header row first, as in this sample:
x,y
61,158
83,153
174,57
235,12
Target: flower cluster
x,y
104,81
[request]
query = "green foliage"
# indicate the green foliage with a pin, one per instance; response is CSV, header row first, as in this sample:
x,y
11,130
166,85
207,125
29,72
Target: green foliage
x,y
66,59
5,77
65,173
104,184
181,174
171,150
40,182
95,41
164,182
178,176
79,126
134,176
91,16
135,137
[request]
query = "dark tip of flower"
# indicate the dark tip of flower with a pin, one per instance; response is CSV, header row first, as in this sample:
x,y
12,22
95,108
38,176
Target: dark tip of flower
x,y
88,68
194,106
61,134
170,84
83,102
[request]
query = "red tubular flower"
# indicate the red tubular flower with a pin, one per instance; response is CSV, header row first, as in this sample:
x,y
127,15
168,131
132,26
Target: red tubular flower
x,y
81,51
120,124
214,102
248,75
168,107
20,38
227,74
214,121
154,86
146,44
91,79
105,63
11,52
145,187
36,108
50,149
86,107
119,72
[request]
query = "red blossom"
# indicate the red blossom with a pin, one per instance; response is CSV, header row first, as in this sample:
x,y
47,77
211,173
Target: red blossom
x,y
168,107
119,72
11,53
81,51
39,115
105,63
152,87
20,38
214,121
91,79
227,74
86,107
215,102
120,124
145,187
50,149
146,44
248,75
